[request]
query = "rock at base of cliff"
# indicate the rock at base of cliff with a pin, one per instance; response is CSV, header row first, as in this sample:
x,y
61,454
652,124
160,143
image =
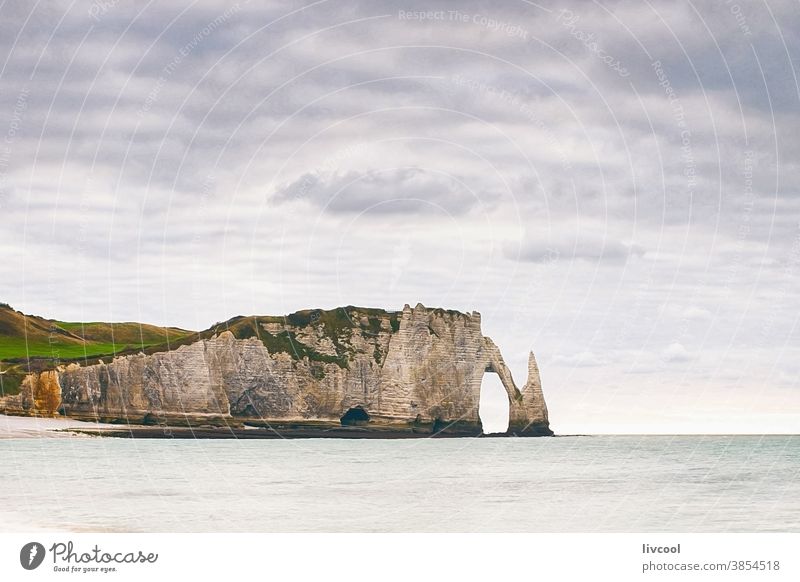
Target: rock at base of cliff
x,y
531,430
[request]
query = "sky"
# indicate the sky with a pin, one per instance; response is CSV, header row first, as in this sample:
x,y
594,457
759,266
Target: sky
x,y
613,185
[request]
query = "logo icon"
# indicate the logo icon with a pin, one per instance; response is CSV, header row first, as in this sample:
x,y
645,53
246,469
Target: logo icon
x,y
31,555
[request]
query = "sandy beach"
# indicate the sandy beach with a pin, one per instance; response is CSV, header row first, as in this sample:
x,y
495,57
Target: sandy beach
x,y
18,427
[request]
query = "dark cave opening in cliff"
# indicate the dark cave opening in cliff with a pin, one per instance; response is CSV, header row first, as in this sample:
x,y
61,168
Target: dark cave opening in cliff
x,y
356,416
493,407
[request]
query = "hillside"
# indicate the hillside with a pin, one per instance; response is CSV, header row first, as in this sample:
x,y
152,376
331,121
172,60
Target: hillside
x,y
26,338
29,342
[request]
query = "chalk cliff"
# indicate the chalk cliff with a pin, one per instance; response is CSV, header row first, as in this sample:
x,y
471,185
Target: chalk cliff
x,y
417,370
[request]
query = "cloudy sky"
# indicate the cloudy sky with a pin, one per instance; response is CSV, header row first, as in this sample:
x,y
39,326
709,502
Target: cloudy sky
x,y
612,185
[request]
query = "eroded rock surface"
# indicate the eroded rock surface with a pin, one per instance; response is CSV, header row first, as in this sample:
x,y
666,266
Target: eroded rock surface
x,y
419,370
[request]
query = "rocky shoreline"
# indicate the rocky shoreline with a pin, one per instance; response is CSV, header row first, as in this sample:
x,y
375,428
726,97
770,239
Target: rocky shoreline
x,y
139,432
37,427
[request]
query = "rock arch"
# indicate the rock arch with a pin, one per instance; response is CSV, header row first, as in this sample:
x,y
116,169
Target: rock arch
x,y
493,406
527,409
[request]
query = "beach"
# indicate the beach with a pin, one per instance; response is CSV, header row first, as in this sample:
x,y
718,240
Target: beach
x,y
21,427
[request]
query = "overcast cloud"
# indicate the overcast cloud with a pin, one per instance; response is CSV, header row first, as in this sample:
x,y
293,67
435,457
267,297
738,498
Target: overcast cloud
x,y
613,185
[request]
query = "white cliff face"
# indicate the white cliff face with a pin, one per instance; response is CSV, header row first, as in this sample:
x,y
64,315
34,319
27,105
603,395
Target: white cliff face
x,y
419,369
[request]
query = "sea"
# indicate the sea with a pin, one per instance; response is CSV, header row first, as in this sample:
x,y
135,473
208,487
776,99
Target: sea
x,y
560,484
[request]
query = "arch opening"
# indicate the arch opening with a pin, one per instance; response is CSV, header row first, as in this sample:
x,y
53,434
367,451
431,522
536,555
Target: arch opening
x,y
493,407
356,416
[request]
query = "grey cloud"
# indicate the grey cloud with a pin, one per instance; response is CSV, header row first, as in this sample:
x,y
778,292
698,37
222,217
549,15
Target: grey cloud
x,y
553,243
401,191
488,138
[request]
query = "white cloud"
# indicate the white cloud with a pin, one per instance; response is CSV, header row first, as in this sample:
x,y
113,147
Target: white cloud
x,y
675,353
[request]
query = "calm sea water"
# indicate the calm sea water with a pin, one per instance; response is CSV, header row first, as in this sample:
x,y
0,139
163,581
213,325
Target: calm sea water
x,y
567,484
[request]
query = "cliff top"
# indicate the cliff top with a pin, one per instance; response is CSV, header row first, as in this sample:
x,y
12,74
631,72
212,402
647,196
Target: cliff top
x,y
25,338
30,342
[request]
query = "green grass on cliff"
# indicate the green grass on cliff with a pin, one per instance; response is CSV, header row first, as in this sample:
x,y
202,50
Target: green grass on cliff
x,y
132,334
23,337
35,343
19,348
338,324
281,342
344,320
287,342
